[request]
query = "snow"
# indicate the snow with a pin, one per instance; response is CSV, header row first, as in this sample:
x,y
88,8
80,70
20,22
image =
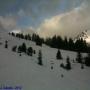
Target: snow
x,y
24,71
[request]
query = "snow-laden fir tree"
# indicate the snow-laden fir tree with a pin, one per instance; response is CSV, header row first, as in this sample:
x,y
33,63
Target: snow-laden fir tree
x,y
58,55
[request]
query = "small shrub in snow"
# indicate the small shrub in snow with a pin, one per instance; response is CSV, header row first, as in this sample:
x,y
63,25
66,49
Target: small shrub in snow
x,y
14,48
1,43
62,75
51,67
62,65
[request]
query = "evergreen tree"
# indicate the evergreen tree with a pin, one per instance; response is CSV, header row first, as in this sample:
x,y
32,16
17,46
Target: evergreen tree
x,y
87,60
21,36
62,65
65,43
30,51
54,42
26,37
19,49
68,65
38,41
34,37
13,34
24,48
81,45
14,48
29,37
40,58
58,55
82,66
59,42
34,51
6,44
79,57
48,41
70,44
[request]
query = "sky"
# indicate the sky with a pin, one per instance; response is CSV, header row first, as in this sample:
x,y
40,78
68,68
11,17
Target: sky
x,y
46,17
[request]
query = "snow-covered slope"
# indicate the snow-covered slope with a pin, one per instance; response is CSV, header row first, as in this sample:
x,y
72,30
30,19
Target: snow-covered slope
x,y
24,71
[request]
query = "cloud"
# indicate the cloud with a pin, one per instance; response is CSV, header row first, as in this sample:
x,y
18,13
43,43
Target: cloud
x,y
28,30
7,22
35,10
67,24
